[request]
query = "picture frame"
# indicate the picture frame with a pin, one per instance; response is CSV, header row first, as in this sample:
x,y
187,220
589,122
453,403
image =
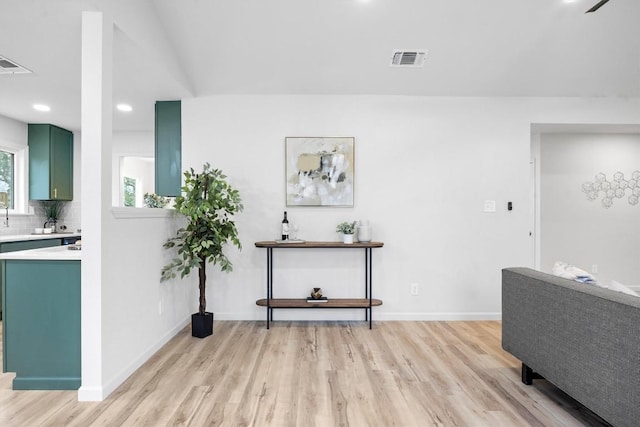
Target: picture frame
x,y
320,171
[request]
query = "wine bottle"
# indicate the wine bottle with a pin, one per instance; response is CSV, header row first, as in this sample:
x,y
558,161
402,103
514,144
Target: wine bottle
x,y
285,227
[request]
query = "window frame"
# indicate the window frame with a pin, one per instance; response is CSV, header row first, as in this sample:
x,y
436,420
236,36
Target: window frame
x,y
20,174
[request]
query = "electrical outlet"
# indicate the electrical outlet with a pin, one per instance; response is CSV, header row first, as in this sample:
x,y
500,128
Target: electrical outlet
x,y
594,268
159,307
415,289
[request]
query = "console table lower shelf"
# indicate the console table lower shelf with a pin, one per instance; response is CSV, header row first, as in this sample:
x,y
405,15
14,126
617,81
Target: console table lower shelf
x,y
357,303
331,303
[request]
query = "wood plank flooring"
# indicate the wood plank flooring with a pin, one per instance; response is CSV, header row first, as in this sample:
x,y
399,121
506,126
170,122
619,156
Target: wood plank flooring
x,y
316,374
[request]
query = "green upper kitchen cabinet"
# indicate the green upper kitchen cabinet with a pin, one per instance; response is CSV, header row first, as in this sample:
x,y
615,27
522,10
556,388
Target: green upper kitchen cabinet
x,y
50,163
168,141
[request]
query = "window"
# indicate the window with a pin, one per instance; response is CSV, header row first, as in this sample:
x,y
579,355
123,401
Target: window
x,y
14,187
129,191
133,176
7,179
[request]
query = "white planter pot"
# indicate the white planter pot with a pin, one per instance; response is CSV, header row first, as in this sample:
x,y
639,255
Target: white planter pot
x,y
347,238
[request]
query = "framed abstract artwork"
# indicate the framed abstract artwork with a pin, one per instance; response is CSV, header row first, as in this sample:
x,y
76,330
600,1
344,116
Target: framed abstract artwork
x,y
319,171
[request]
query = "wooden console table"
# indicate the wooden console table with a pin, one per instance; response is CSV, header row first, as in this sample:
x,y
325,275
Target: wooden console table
x,y
365,303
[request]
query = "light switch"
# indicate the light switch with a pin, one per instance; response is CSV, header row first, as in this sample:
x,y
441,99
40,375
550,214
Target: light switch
x,y
489,205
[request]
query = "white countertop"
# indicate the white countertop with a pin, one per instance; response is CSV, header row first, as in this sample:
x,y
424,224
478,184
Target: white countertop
x,y
23,237
55,253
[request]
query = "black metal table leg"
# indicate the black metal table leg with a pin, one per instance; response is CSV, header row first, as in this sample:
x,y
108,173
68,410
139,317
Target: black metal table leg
x,y
366,282
369,280
269,284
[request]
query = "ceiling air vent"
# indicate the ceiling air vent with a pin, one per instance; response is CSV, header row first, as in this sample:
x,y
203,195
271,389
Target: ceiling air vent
x,y
408,58
7,66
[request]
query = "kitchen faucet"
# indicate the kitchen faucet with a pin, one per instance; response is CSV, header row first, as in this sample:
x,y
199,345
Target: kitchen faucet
x,y
6,215
4,203
51,223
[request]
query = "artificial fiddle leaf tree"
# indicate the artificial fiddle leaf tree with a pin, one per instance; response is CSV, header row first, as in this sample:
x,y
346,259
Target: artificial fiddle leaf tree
x,y
209,204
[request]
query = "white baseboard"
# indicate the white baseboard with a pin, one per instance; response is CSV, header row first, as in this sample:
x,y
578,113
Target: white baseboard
x,y
419,316
415,317
98,394
90,394
239,316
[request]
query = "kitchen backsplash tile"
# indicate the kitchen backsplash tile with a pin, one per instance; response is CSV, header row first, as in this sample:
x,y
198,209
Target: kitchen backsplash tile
x,y
25,224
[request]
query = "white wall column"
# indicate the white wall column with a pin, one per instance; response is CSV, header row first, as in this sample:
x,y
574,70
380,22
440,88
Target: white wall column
x,y
96,127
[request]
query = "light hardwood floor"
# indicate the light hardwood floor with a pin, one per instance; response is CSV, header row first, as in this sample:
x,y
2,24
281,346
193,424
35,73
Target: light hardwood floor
x,y
316,374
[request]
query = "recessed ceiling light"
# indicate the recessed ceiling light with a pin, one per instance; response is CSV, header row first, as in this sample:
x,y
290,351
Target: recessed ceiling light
x,y
41,107
124,107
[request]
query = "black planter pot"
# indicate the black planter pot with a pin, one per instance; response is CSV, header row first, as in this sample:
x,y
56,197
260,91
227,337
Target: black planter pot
x,y
201,325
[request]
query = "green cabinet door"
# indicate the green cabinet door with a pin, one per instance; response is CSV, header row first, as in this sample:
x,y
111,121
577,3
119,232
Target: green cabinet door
x,y
50,162
168,140
61,164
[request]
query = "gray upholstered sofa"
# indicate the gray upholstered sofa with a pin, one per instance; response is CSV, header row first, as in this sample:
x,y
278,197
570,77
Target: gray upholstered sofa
x,y
582,338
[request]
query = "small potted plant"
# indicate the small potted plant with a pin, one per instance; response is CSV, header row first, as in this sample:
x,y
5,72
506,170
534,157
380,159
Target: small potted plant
x,y
347,229
52,210
152,200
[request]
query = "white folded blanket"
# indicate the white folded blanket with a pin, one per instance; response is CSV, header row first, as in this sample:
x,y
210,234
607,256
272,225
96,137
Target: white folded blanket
x,y
571,272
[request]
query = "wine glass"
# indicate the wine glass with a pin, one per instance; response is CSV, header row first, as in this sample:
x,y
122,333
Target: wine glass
x,y
293,231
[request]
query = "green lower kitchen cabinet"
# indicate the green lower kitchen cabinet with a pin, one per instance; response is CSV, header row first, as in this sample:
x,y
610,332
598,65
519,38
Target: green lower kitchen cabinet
x,y
50,162
23,245
41,325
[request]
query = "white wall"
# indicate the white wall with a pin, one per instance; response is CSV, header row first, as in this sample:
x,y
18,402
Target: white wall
x,y
424,166
127,314
12,132
579,231
140,314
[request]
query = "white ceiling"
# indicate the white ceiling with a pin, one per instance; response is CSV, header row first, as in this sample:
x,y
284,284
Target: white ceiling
x,y
172,49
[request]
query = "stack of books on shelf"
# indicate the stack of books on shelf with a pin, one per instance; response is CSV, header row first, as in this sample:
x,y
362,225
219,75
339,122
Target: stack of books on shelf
x,y
315,300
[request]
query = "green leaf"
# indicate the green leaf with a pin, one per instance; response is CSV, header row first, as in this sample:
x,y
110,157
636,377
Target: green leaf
x,y
209,203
